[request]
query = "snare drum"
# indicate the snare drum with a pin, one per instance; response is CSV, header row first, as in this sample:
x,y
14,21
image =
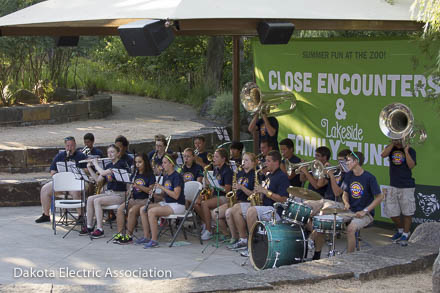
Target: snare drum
x,y
324,224
296,212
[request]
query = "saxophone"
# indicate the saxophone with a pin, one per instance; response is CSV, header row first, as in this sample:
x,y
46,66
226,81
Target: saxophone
x,y
231,196
255,198
206,192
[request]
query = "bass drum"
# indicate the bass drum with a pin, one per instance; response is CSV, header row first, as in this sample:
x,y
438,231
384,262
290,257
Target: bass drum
x,y
274,245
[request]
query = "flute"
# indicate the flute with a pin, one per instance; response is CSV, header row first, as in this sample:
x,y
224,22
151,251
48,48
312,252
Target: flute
x,y
91,159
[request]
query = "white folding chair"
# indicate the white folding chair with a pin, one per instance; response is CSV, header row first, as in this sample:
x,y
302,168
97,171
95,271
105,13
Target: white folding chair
x,y
65,182
191,191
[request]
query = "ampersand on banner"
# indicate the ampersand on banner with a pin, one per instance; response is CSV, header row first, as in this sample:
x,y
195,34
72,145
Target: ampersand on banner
x,y
339,113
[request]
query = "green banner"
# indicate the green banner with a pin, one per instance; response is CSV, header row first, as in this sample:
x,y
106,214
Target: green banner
x,y
341,86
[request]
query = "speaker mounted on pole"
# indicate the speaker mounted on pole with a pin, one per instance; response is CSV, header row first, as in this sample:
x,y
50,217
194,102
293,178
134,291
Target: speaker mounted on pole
x,y
275,32
67,41
146,37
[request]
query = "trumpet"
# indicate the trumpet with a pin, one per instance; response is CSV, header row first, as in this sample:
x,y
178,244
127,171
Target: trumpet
x,y
91,160
289,166
315,167
336,169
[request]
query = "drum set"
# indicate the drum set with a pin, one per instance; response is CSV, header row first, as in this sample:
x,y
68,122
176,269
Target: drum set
x,y
284,243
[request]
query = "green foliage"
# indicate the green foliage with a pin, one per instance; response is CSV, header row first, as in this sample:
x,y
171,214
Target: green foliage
x,y
222,108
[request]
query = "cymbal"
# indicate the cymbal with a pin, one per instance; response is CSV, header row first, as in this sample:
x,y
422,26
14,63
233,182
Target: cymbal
x,y
303,193
328,211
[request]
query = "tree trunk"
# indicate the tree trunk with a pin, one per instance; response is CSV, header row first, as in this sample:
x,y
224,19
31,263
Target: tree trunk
x,y
214,62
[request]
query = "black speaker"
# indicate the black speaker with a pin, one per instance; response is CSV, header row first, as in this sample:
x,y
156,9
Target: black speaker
x,y
275,32
146,37
67,41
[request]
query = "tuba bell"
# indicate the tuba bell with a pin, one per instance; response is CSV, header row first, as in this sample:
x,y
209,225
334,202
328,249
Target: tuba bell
x,y
254,101
396,121
315,167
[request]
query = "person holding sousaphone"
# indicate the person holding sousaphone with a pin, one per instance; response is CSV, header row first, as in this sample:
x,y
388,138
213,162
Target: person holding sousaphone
x,y
273,189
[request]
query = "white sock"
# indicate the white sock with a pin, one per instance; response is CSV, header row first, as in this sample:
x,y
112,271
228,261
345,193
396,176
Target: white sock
x,y
243,240
400,230
405,234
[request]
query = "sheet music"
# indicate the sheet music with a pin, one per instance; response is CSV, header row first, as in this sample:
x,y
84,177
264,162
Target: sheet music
x,y
222,133
61,166
79,173
121,175
213,181
234,166
179,160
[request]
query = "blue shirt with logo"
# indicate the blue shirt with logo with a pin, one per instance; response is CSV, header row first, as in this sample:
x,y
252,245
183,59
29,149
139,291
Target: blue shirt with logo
x,y
192,173
400,173
263,133
223,176
172,181
361,190
142,180
246,179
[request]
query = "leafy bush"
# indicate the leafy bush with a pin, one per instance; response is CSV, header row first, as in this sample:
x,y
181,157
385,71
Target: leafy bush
x,y
222,108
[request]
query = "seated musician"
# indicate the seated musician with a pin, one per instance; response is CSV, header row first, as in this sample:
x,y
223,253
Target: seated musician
x,y
287,149
158,153
235,216
122,143
274,189
223,175
200,151
265,147
89,149
143,184
174,202
322,154
235,151
69,154
114,194
361,196
191,171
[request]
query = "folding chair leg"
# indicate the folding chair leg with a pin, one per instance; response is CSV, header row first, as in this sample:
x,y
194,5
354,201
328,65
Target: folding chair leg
x,y
171,228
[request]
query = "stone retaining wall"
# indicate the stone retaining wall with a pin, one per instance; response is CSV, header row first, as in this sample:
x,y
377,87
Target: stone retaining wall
x,y
95,107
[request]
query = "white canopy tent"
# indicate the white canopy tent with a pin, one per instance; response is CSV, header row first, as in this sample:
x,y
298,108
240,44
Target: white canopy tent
x,y
207,17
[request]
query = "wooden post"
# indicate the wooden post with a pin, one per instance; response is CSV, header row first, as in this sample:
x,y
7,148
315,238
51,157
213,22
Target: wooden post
x,y
235,88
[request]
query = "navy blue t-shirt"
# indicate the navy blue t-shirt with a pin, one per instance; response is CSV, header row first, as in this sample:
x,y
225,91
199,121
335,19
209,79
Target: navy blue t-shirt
x,y
75,157
278,183
361,190
192,173
223,176
400,173
246,179
262,131
115,185
321,190
128,158
157,159
295,181
143,180
172,181
97,152
329,194
204,157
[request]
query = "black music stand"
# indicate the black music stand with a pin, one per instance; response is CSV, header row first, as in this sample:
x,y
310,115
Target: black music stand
x,y
122,175
80,174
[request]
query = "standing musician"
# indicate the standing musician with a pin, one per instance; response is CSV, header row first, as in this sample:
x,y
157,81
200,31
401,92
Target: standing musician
x,y
223,174
267,127
286,148
69,154
113,195
361,195
400,197
158,153
235,151
200,151
143,184
235,216
89,141
274,189
173,189
322,154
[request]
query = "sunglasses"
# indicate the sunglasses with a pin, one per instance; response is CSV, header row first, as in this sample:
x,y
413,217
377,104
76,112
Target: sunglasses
x,y
354,154
69,138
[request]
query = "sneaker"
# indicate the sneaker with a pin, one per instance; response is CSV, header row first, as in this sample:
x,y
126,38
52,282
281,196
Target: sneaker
x,y
203,229
403,240
151,244
162,222
238,246
142,240
233,241
43,219
85,231
117,237
206,235
311,244
97,234
396,237
245,253
127,239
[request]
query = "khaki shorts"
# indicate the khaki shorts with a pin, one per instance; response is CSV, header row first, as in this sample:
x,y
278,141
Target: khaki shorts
x,y
265,213
360,223
399,201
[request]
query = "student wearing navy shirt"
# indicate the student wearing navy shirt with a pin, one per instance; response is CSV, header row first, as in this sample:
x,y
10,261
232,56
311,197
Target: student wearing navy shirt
x,y
223,175
267,127
156,155
191,171
235,216
69,154
318,185
399,199
122,143
174,201
114,193
89,149
200,152
143,183
235,151
287,149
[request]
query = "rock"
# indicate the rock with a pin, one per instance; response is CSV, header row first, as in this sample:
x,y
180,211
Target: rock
x,y
26,97
427,234
436,275
64,95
